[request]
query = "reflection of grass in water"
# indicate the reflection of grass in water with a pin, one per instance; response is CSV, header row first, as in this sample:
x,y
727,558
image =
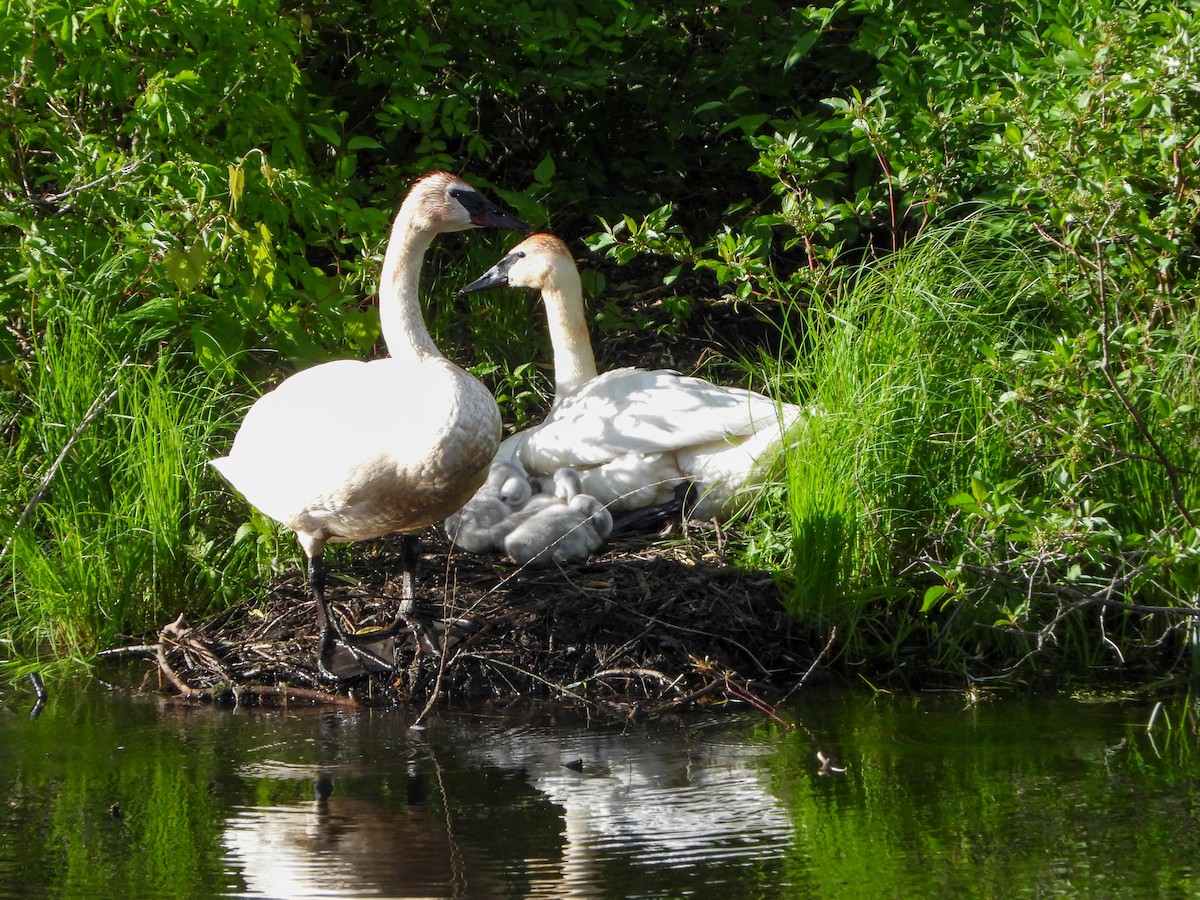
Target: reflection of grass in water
x,y
138,822
913,820
1172,732
116,544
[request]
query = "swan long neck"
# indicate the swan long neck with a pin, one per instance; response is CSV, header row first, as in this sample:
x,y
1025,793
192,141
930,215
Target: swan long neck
x,y
574,362
400,317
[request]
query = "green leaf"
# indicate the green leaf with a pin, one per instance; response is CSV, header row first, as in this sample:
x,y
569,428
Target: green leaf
x,y
979,490
261,252
800,49
217,341
186,267
237,184
746,124
933,594
966,503
362,142
330,136
544,171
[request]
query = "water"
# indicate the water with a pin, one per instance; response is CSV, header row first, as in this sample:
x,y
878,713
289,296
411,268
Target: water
x,y
112,795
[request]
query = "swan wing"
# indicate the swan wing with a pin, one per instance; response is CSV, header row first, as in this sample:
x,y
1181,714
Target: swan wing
x,y
639,411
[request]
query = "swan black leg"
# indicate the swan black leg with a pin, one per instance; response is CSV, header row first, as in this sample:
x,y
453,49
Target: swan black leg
x,y
330,637
409,556
316,584
327,633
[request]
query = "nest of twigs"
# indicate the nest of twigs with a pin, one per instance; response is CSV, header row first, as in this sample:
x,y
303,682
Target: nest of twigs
x,y
643,627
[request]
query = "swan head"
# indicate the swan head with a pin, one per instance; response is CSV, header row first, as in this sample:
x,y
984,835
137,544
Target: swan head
x,y
544,263
540,261
439,202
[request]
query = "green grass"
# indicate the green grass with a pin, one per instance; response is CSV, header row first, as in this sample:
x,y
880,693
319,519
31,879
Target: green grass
x,y
121,538
969,442
903,366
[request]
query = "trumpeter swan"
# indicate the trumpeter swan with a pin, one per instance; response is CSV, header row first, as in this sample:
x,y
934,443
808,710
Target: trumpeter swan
x,y
351,450
569,529
475,527
634,435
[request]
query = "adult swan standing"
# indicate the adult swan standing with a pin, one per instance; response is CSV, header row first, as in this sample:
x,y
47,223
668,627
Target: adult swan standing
x,y
351,450
634,435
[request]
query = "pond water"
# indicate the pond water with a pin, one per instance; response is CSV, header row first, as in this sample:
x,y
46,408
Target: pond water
x,y
109,794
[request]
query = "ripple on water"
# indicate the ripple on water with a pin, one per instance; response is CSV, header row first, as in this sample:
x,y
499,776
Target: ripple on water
x,y
660,802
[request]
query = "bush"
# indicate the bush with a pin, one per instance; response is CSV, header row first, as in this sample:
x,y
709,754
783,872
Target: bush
x,y
1059,494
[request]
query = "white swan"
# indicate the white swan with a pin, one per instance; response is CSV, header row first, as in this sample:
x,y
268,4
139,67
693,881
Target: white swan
x,y
634,435
350,450
476,527
569,529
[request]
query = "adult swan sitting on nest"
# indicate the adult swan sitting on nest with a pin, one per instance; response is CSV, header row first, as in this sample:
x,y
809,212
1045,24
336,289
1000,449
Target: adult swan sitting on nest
x,y
351,450
633,435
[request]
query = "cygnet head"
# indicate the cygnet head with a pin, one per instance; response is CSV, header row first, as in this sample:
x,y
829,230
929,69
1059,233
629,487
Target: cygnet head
x,y
596,515
567,484
539,261
499,473
559,532
439,201
507,482
516,489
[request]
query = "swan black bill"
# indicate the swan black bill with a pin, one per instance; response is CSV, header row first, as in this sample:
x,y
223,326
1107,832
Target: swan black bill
x,y
495,277
486,214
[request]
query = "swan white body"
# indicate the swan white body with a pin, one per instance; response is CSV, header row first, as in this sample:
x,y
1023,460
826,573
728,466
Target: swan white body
x,y
634,435
350,450
323,454
569,528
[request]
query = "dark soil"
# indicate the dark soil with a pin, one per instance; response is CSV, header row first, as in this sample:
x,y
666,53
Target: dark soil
x,y
649,625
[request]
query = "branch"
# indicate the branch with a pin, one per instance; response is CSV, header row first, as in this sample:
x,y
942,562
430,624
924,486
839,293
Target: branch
x,y
102,400
54,199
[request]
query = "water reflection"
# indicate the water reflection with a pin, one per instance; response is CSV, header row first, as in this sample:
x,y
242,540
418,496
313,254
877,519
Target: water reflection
x,y
652,799
349,847
1013,797
366,828
604,800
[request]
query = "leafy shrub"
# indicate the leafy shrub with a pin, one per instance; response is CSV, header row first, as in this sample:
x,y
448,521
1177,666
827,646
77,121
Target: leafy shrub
x,y
1080,119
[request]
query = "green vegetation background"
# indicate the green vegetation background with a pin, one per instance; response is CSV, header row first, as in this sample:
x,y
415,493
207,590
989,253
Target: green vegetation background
x,y
974,225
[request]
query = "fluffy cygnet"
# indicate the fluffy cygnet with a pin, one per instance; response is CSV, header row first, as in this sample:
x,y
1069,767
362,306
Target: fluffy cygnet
x,y
570,529
476,527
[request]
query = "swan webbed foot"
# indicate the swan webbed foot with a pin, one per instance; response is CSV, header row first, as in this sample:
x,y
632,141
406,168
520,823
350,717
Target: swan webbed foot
x,y
344,657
